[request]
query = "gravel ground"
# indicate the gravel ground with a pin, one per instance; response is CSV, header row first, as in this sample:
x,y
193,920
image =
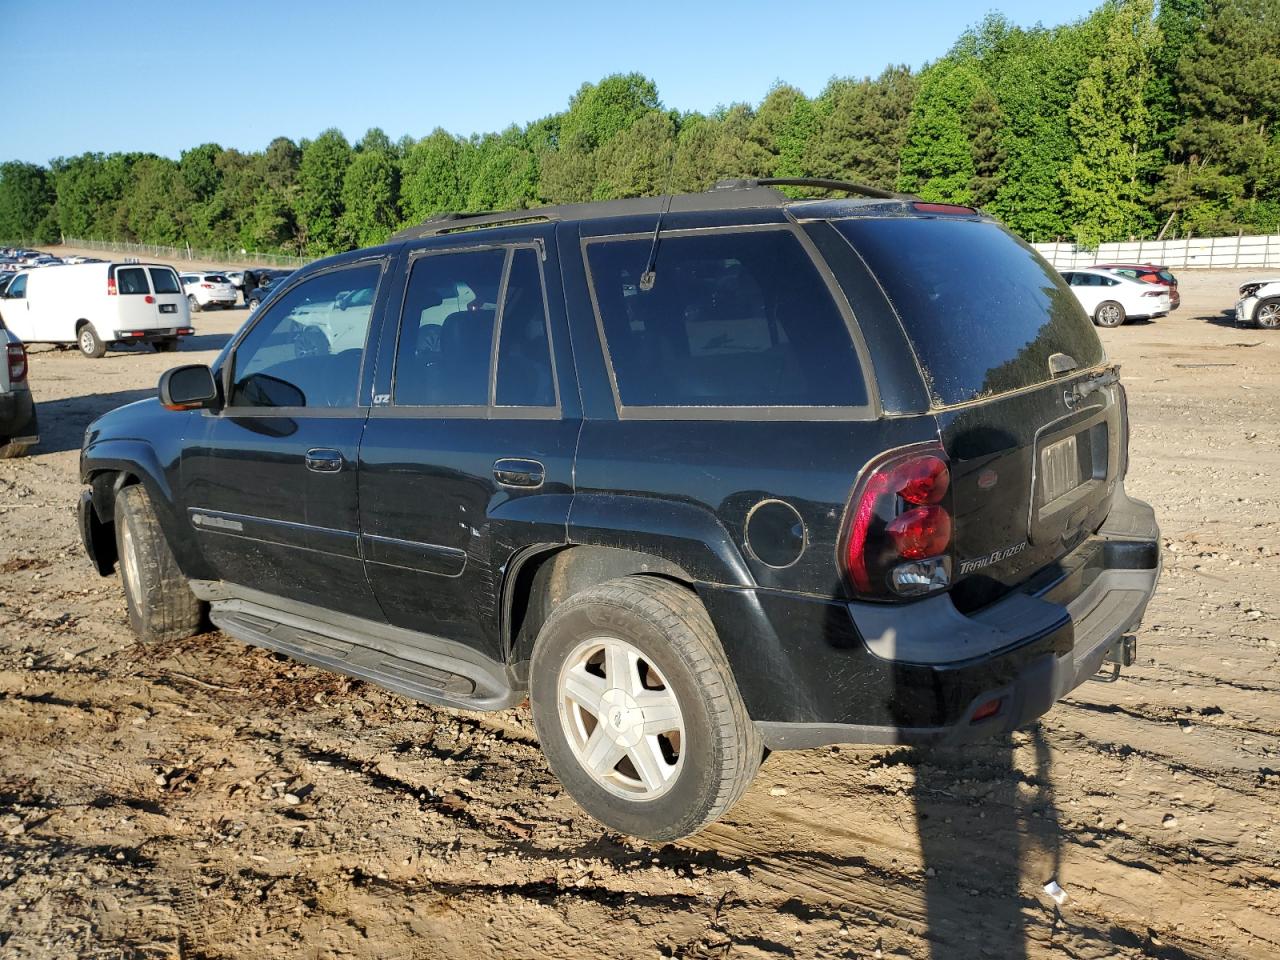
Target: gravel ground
x,y
211,800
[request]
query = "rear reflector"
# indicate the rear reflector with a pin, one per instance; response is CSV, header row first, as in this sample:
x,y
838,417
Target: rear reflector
x,y
988,709
17,363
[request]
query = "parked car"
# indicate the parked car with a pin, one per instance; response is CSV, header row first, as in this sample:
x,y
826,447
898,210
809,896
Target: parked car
x,y
266,280
702,476
207,290
95,305
1147,273
18,428
234,277
1111,299
1259,303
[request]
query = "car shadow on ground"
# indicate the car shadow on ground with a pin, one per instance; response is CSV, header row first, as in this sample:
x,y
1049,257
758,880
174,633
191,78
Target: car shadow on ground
x,y
62,422
204,341
1227,318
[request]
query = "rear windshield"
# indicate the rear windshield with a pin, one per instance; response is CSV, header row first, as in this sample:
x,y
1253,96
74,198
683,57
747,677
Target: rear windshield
x,y
165,281
1166,276
733,319
983,312
216,278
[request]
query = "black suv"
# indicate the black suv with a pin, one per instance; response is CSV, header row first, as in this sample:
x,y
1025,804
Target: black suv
x,y
700,475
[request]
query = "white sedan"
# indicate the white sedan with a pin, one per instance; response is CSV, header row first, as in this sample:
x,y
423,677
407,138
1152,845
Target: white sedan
x,y
208,290
1259,303
1111,299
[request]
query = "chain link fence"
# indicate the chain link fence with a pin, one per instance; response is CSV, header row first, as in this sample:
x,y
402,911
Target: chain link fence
x,y
229,256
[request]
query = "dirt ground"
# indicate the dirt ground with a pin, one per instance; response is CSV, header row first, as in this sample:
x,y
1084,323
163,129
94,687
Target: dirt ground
x,y
211,800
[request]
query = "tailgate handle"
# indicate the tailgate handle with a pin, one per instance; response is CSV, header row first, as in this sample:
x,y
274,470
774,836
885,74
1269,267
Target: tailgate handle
x,y
1060,363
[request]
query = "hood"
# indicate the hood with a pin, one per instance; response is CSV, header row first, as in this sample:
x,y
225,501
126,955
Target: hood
x,y
1253,285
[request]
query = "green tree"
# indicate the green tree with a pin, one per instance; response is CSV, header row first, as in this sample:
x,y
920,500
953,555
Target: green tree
x,y
319,202
503,171
431,177
370,201
862,128
938,160
26,203
1111,125
637,162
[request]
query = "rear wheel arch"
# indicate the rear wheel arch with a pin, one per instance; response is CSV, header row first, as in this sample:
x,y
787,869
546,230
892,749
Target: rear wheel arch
x,y
542,578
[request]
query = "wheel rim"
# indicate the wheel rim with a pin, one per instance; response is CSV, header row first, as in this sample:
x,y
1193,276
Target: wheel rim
x,y
130,560
1110,315
1269,315
86,340
621,719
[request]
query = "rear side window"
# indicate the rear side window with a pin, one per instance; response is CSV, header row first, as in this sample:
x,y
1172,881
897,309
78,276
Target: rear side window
x,y
982,311
131,281
446,329
164,281
732,320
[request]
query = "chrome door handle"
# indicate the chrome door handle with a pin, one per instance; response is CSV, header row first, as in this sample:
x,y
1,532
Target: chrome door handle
x,y
321,460
519,473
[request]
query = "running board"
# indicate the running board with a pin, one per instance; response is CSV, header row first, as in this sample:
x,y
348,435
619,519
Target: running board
x,y
452,676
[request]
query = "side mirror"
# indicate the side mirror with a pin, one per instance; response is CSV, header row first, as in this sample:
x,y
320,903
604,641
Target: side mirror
x,y
188,388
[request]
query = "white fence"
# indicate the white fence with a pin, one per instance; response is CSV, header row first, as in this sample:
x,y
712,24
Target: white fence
x,y
1219,252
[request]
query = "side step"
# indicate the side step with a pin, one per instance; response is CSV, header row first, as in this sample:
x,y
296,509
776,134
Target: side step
x,y
451,675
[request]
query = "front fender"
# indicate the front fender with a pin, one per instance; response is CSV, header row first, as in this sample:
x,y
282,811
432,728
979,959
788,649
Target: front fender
x,y
109,465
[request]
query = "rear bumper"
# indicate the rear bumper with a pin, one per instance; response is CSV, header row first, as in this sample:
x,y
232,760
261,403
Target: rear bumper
x,y
922,672
18,417
151,335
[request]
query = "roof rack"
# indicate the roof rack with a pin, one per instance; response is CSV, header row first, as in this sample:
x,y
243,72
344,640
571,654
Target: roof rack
x,y
453,221
845,185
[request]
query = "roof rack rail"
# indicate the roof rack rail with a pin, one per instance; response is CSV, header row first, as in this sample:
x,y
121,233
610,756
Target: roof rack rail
x,y
845,185
453,221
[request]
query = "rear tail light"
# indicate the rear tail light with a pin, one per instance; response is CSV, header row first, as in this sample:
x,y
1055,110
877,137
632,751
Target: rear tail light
x,y
1156,293
17,363
206,286
111,286
898,542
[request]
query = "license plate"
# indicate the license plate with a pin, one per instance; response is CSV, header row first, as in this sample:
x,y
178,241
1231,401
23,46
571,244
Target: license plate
x,y
1059,469
168,308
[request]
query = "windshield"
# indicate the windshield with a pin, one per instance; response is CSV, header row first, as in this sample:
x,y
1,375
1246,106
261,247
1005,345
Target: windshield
x,y
982,310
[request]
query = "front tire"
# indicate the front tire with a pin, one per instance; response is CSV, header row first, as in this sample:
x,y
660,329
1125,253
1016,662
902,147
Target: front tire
x,y
1109,314
638,712
162,608
91,345
1267,314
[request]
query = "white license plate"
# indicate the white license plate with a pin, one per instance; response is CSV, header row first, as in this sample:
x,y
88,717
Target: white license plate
x,y
1059,469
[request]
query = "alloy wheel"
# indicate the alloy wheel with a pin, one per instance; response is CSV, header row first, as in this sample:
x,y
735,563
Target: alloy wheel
x,y
621,719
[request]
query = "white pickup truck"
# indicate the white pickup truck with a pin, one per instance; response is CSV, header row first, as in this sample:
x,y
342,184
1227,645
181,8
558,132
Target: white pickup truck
x,y
17,408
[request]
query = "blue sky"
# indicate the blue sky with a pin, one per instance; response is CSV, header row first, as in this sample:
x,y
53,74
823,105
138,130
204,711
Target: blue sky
x,y
164,76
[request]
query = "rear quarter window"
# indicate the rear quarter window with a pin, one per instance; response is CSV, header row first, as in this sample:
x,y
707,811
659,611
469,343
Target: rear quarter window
x,y
733,319
982,310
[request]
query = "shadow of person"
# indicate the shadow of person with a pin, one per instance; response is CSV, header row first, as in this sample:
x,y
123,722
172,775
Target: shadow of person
x,y
989,841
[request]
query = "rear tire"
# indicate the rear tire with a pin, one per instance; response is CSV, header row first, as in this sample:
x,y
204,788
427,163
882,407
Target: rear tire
x,y
162,608
1267,314
12,450
1109,314
165,346
195,304
91,345
671,673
